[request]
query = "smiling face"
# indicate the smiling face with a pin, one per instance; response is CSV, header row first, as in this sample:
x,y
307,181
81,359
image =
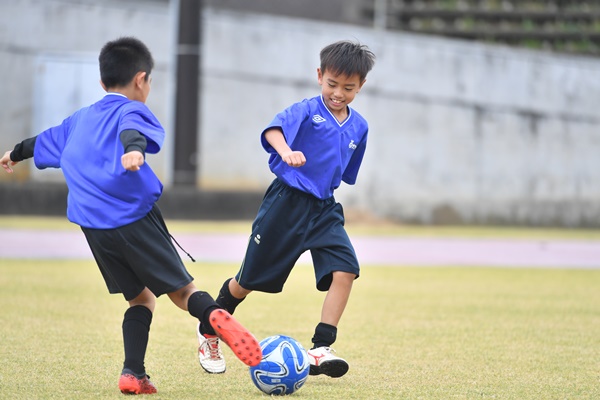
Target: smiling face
x,y
338,91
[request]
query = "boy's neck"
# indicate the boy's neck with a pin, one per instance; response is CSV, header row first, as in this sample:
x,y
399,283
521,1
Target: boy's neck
x,y
123,91
128,91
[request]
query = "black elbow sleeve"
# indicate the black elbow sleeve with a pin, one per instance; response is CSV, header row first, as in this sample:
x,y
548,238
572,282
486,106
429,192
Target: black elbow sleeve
x,y
23,150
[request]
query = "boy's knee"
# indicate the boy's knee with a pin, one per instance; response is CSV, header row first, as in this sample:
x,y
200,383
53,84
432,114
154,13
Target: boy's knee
x,y
146,298
181,296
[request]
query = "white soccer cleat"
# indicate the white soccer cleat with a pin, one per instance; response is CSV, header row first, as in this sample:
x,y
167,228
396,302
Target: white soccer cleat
x,y
209,353
323,361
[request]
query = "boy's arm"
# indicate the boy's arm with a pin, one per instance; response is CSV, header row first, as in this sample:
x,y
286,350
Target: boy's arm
x,y
22,151
275,138
134,144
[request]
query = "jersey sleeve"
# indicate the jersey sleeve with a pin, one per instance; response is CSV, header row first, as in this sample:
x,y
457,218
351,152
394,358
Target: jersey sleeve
x,y
137,116
289,121
351,171
49,146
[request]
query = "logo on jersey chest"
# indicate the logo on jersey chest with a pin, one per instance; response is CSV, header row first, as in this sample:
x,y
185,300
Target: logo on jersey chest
x,y
318,119
352,145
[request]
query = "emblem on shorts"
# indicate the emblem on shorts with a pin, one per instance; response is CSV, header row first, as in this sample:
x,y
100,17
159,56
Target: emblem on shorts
x,y
318,119
257,239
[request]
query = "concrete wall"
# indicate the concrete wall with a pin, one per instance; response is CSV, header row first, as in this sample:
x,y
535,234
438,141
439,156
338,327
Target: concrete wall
x,y
460,132
35,34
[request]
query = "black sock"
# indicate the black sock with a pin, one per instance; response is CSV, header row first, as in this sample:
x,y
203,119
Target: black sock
x,y
200,305
136,328
225,300
325,335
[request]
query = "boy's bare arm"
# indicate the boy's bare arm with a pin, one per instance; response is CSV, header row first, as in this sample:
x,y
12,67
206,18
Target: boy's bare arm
x,y
277,140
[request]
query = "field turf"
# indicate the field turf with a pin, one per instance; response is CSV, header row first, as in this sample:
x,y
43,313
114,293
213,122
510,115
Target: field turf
x,y
408,333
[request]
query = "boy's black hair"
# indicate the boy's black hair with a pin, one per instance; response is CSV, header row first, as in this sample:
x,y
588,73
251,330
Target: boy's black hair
x,y
121,59
347,58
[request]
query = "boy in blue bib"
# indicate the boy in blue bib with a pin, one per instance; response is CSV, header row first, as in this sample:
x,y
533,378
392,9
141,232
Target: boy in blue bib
x,y
314,145
112,194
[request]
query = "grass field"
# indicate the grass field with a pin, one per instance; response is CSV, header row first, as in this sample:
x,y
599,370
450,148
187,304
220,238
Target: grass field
x,y
408,333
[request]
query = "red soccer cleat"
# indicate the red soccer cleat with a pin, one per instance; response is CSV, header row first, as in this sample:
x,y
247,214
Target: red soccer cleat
x,y
243,344
129,384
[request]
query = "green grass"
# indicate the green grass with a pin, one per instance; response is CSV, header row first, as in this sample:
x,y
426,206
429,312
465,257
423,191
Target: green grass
x,y
408,333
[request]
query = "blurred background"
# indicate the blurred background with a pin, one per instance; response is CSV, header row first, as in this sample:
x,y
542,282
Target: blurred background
x,y
481,112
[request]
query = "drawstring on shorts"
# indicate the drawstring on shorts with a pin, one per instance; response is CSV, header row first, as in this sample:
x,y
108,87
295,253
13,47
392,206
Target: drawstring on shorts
x,y
182,249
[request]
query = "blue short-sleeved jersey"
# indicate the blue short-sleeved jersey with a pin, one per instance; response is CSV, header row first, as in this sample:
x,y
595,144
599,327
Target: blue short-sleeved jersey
x,y
87,147
333,150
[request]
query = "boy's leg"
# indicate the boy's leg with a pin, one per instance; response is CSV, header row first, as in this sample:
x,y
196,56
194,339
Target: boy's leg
x,y
278,253
136,328
336,268
337,297
244,345
227,300
231,295
210,355
321,356
209,351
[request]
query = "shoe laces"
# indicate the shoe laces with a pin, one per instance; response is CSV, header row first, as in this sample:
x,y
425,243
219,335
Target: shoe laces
x,y
213,347
325,349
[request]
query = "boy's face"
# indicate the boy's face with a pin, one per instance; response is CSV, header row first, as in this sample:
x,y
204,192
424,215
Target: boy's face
x,y
338,90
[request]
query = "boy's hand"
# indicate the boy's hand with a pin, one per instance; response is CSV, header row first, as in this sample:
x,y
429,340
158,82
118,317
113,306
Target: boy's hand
x,y
7,163
275,138
132,161
294,158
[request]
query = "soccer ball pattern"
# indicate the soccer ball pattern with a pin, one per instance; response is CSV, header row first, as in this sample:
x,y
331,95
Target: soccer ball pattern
x,y
284,367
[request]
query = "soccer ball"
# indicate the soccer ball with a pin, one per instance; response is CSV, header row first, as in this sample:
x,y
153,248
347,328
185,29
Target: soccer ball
x,y
284,366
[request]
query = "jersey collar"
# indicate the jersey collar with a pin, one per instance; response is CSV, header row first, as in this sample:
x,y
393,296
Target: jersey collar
x,y
340,124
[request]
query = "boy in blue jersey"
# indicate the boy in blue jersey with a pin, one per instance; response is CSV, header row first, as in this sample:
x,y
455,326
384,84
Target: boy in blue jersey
x,y
112,195
313,145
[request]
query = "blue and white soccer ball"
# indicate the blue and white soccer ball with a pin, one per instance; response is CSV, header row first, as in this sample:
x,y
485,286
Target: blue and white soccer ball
x,y
284,367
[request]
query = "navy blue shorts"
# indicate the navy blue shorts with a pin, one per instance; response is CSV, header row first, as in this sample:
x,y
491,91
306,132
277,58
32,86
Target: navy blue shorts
x,y
138,255
290,222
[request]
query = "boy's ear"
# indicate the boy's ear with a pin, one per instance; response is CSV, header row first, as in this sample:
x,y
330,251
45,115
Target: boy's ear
x,y
320,76
361,85
139,78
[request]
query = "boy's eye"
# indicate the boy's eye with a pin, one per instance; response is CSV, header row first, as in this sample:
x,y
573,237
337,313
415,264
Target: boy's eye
x,y
331,85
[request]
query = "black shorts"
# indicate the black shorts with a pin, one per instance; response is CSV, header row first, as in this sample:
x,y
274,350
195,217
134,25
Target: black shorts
x,y
138,255
290,222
